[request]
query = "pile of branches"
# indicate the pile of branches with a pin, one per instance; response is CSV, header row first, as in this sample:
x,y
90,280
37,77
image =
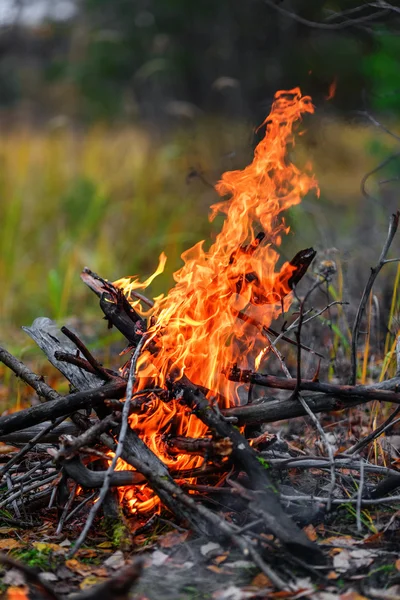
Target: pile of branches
x,y
63,437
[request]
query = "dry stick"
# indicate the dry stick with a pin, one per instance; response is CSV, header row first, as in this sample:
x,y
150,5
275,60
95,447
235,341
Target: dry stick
x,y
80,506
388,424
17,457
315,315
71,445
359,496
10,489
77,471
35,381
66,509
339,501
378,391
78,361
98,368
62,405
393,225
31,576
331,26
34,486
297,395
121,438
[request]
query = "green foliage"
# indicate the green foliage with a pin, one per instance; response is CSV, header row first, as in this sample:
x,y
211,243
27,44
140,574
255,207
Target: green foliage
x,y
40,559
264,463
382,69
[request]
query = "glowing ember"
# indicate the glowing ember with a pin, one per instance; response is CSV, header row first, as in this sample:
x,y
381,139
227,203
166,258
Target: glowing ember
x,y
195,329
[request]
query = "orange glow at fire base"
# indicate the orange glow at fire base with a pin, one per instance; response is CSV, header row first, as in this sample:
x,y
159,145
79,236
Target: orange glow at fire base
x,y
195,328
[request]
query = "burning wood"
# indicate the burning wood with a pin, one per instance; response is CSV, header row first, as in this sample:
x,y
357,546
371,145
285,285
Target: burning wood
x,y
169,426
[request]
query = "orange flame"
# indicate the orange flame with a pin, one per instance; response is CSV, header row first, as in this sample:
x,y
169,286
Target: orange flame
x,y
332,89
195,329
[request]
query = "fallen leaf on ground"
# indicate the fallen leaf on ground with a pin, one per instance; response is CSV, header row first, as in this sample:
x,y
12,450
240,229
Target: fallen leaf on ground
x,y
77,567
43,546
105,545
172,538
17,593
352,596
332,575
310,532
261,581
89,581
10,544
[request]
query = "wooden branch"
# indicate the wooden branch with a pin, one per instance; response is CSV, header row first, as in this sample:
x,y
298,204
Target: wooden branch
x,y
366,392
274,409
77,471
35,381
393,225
63,405
116,307
50,339
200,446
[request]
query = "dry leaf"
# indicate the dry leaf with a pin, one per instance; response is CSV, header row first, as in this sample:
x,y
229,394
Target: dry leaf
x,y
332,575
45,546
352,596
89,581
86,553
397,563
172,538
261,581
105,545
221,558
10,544
375,537
77,567
5,449
17,593
215,569
310,532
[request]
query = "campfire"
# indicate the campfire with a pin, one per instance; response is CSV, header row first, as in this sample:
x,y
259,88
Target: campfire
x,y
209,320
169,429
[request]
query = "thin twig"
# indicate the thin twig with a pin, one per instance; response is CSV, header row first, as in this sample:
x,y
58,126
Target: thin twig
x,y
17,457
329,26
388,424
99,369
393,225
35,381
66,509
359,496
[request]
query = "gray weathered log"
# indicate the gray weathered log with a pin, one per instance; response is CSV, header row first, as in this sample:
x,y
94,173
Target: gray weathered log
x,y
49,338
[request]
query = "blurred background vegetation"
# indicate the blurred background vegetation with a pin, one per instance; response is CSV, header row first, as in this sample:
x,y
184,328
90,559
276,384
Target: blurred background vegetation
x,y
118,116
